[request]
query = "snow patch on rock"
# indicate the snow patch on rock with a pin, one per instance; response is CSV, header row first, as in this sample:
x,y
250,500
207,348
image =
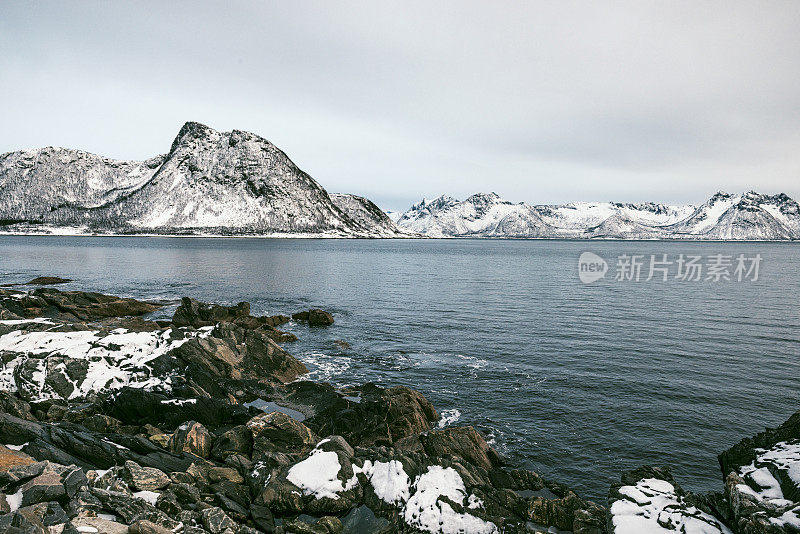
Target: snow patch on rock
x,y
426,512
112,360
653,507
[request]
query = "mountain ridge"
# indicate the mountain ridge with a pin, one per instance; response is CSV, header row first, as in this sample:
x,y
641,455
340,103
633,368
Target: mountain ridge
x,y
725,216
210,182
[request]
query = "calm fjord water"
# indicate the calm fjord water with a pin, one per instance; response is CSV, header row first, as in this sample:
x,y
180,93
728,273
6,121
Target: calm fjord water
x,y
577,381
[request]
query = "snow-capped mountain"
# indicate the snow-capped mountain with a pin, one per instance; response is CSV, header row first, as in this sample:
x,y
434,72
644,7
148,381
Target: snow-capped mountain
x,y
748,216
485,215
209,182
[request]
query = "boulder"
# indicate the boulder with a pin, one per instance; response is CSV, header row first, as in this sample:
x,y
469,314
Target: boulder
x,y
48,281
144,478
277,432
461,442
314,317
46,487
236,353
191,437
216,520
237,440
67,443
136,406
49,513
199,314
383,417
11,458
185,493
80,305
15,406
147,527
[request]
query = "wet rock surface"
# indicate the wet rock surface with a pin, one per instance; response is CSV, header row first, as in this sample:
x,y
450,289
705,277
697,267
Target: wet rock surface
x,y
200,425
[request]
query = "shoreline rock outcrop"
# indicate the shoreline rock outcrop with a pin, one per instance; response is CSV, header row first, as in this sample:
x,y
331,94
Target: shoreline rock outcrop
x,y
110,422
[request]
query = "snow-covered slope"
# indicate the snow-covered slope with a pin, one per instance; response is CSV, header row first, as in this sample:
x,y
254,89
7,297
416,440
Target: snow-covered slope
x,y
483,215
364,212
34,183
210,182
749,216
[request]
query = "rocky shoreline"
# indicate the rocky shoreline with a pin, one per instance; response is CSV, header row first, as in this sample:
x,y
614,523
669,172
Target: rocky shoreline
x,y
113,423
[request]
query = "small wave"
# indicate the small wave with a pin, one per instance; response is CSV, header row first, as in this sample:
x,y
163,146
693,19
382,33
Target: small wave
x,y
473,361
448,417
324,367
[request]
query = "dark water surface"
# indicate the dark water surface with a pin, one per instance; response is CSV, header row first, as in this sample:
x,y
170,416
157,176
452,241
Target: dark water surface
x,y
577,381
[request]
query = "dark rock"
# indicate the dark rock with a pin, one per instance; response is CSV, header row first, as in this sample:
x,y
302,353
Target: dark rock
x,y
516,479
191,437
74,480
17,407
461,442
314,317
101,423
80,305
83,503
743,453
768,454
147,527
25,521
650,492
48,281
135,406
279,336
237,440
144,478
362,520
383,416
46,487
236,353
300,316
559,513
262,517
216,520
218,474
168,503
67,443
281,497
49,513
185,493
132,509
324,525
277,432
198,314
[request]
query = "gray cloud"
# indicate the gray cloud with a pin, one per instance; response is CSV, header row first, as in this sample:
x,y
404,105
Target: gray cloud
x,y
539,101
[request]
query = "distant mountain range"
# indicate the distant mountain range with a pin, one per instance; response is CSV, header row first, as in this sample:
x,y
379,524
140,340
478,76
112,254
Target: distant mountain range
x,y
748,216
232,183
237,183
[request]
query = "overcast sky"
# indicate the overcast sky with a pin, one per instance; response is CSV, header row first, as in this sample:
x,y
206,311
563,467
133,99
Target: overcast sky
x,y
543,102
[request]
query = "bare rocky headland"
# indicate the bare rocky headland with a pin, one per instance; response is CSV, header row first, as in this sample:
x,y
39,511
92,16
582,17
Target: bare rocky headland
x,y
112,423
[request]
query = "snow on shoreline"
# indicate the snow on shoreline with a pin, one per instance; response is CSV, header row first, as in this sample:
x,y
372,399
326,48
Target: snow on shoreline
x,y
762,484
420,505
652,506
112,360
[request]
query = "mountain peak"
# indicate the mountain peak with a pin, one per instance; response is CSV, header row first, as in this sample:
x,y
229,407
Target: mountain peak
x,y
189,131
